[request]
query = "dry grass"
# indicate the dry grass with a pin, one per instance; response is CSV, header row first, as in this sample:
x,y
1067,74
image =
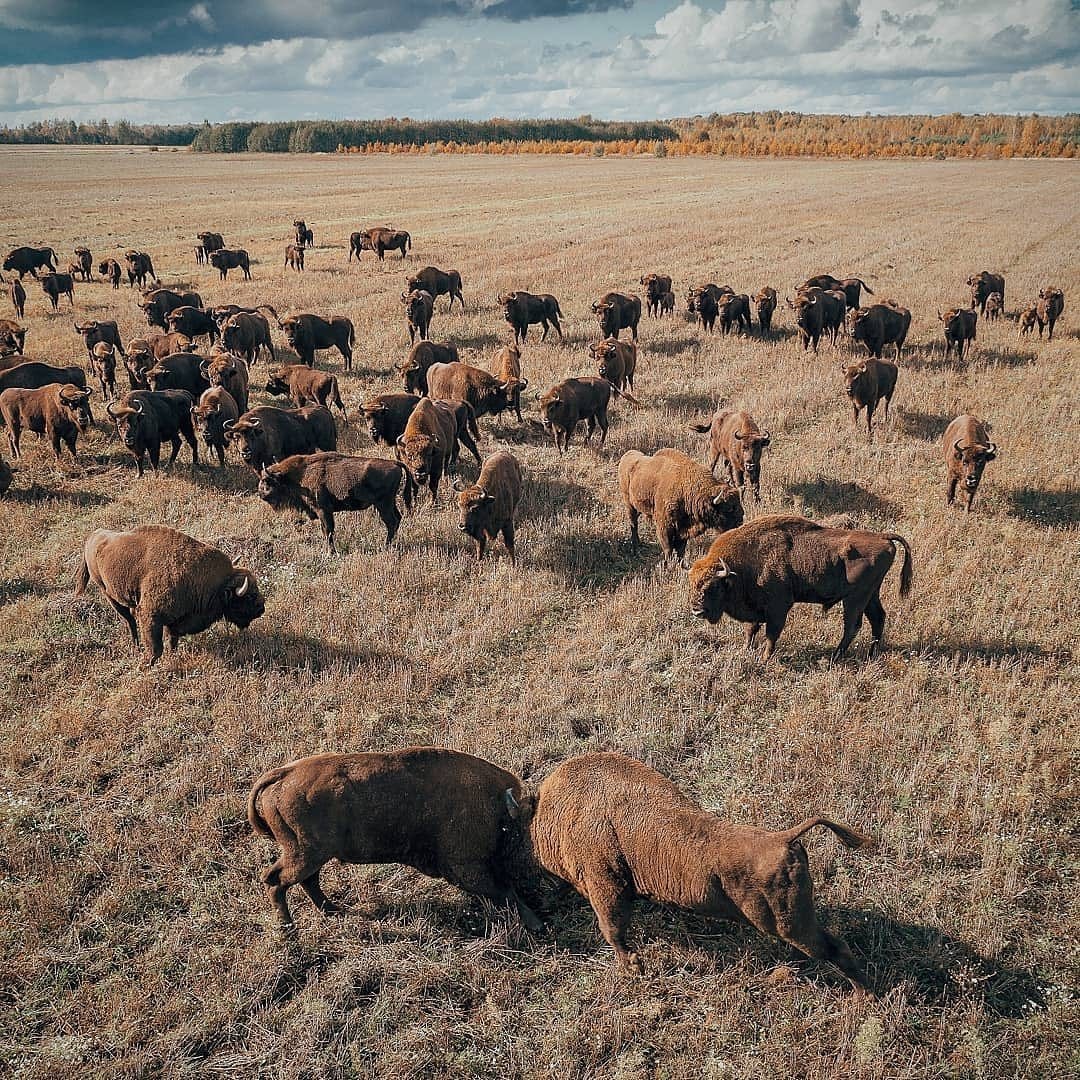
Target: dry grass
x,y
136,939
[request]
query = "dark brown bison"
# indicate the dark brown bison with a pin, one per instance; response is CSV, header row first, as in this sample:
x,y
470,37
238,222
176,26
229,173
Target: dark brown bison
x,y
306,386
488,506
12,336
28,260
429,443
422,357
734,311
139,267
265,435
145,419
851,287
56,285
522,309
765,301
380,241
111,271
245,334
667,303
192,322
157,304
85,262
572,401
181,371
419,307
708,307
809,309
294,256
226,260
160,582
959,326
755,574
982,285
17,296
446,814
387,415
304,236
506,367
230,372
100,330
735,436
881,325
323,484
616,361
59,412
463,382
968,448
438,283
30,375
208,242
216,408
616,312
6,476
102,366
1049,308
868,383
656,287
694,294
222,313
308,333
616,830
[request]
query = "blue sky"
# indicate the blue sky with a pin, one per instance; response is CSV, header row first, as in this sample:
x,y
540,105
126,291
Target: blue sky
x,y
289,59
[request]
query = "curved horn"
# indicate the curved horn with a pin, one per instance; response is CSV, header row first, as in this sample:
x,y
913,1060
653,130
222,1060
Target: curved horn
x,y
991,450
957,447
255,422
242,589
139,408
723,570
766,438
109,410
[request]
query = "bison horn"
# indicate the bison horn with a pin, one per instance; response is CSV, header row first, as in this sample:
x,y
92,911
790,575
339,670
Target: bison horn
x,y
739,436
523,383
242,589
957,447
459,485
991,450
718,500
227,425
254,421
401,440
513,807
139,408
765,438
723,570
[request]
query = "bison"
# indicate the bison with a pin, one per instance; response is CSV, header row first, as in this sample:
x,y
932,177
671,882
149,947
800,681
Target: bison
x,y
656,287
968,448
6,476
305,385
304,236
422,357
758,572
139,267
488,506
616,361
429,443
868,383
380,241
294,256
1049,308
995,307
85,262
765,301
522,309
959,327
28,260
266,434
982,285
181,371
245,334
322,484
570,402
506,367
307,333
708,307
111,271
616,830
881,325
222,313
694,294
616,312
1028,319
484,392
103,368
100,330
56,285
735,436
216,408
146,418
850,287
17,296
667,303
734,311
226,260
387,415
30,375
419,307
157,304
59,412
438,283
192,322
161,581
682,498
229,372
446,814
12,336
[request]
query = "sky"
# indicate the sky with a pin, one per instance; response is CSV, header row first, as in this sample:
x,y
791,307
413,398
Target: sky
x,y
174,61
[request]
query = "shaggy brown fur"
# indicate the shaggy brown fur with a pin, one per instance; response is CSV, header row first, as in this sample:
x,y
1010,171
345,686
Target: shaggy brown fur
x,y
246,333
488,506
145,419
103,368
656,287
506,367
982,285
735,437
616,311
422,356
387,415
306,386
616,361
1048,309
570,402
438,283
959,326
419,307
462,382
59,412
265,434
967,448
308,333
765,301
230,372
869,382
216,408
428,444
294,256
99,331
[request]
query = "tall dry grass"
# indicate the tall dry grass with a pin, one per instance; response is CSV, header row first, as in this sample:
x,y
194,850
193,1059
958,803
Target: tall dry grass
x,y
136,940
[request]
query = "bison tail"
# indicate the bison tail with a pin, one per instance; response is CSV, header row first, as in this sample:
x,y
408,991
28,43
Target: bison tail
x,y
255,819
470,421
907,574
408,242
409,490
848,837
82,576
627,396
866,287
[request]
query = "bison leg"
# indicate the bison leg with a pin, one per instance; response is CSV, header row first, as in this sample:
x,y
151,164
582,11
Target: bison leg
x,y
950,491
481,880
220,450
173,638
633,514
326,519
125,614
311,886
774,627
817,943
470,444
175,452
853,613
612,901
602,420
508,540
14,435
391,518
751,633
875,616
151,631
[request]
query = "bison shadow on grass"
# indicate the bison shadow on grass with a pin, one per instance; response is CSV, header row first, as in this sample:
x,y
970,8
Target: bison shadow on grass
x,y
285,650
672,346
824,497
590,562
920,425
36,494
547,496
1050,509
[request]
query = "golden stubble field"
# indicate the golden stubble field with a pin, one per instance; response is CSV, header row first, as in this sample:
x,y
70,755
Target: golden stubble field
x,y
136,940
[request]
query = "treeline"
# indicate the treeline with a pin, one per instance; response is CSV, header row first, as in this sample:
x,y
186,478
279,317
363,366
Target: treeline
x,y
99,133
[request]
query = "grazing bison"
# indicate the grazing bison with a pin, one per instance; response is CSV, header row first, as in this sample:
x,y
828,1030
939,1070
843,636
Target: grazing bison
x,y
158,346
294,256
380,241
681,497
111,271
488,506
438,283
995,307
12,336
1049,308
734,311
982,285
266,434
181,371
463,382
307,333
570,402
85,263
387,415
322,484
422,357
959,326
446,814
755,574
522,309
146,418
881,325
157,304
226,260
17,296
28,260
967,450
216,408
59,412
429,443
506,367
100,330
656,287
735,436
56,285
304,236
245,333
616,361
103,368
139,268
230,373
419,307
306,386
616,830
192,322
31,375
868,383
616,312
160,581
765,301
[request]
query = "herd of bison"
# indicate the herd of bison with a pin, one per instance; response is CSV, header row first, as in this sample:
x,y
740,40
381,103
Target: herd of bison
x,y
609,826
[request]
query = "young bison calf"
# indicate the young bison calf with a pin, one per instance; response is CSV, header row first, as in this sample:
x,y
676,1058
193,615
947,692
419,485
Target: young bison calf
x,y
489,505
443,813
967,450
617,830
870,382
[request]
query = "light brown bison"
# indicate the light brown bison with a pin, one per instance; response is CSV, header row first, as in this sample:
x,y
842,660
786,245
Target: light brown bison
x,y
230,372
758,572
881,325
1048,310
145,419
982,285
419,307
616,361
216,408
1028,319
379,240
995,307
387,415
103,367
616,830
306,386
160,582
265,435
487,395
59,412
294,256
967,448
56,285
572,401
429,443
225,260
446,814
735,436
422,357
438,283
506,367
616,312
308,333
868,383
488,506
959,327
12,336
765,302
323,484
682,498
522,309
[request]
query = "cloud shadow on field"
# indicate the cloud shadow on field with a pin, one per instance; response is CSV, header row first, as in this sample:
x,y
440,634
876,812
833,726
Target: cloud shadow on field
x,y
822,497
920,425
1053,509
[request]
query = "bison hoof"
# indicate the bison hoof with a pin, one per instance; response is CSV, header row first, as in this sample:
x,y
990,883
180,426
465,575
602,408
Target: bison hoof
x,y
631,963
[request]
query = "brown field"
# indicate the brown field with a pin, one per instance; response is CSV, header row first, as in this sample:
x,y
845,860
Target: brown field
x,y
136,939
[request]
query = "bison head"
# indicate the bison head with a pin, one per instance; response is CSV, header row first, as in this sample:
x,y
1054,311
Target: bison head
x,y
554,412
724,510
242,603
970,462
712,585
129,420
86,328
414,379
853,376
417,454
475,505
748,446
248,436
374,413
76,403
277,384
9,263
276,488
